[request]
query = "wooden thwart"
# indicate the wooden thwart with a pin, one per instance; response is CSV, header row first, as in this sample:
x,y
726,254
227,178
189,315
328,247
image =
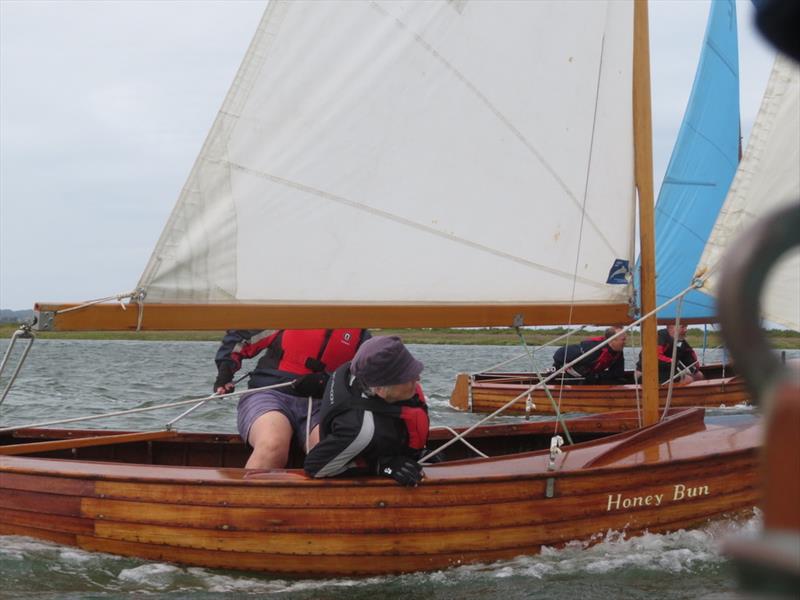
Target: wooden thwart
x,y
99,440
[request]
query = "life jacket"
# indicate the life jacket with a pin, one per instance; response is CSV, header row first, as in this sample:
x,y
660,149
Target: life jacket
x,y
685,353
594,365
303,351
606,358
343,395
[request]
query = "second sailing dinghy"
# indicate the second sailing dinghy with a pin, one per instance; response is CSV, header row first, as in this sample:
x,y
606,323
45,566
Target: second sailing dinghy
x,y
387,164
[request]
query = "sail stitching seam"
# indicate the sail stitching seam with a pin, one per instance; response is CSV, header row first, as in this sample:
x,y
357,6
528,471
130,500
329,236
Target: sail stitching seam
x,y
409,223
500,116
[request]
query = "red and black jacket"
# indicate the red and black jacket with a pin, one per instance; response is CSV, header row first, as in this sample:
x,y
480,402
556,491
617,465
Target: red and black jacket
x,y
603,366
357,430
685,356
287,353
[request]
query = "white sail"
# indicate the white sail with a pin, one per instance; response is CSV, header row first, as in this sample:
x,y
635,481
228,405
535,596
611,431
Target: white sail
x,y
415,152
768,178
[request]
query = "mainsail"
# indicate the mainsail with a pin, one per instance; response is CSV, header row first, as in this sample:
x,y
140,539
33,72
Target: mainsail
x,y
425,153
701,168
768,178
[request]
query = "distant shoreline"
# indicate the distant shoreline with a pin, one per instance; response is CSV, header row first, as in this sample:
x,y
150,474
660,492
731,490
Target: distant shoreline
x,y
780,339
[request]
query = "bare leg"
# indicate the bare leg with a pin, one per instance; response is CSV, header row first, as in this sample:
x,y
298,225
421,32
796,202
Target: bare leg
x,y
313,438
270,436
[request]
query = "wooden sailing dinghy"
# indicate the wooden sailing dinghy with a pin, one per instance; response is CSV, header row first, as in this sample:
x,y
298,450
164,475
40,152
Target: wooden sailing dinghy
x,y
185,498
390,140
486,392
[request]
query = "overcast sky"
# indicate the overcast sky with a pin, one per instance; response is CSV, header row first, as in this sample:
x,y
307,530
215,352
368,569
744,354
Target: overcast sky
x,y
104,107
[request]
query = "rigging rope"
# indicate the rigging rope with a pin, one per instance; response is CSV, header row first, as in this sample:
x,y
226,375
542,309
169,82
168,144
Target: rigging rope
x,y
202,402
463,441
557,372
145,408
636,377
556,407
525,354
672,366
118,297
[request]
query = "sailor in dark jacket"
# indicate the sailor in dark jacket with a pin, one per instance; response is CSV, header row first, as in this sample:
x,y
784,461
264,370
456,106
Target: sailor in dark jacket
x,y
373,418
685,356
604,366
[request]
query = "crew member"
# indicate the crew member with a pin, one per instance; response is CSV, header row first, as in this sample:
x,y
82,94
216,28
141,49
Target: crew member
x,y
686,358
268,419
603,366
374,417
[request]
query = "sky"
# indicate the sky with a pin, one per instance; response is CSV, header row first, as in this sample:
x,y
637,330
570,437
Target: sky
x,y
104,107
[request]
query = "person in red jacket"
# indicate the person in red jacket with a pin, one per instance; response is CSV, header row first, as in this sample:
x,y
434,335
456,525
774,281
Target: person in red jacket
x,y
303,358
604,366
685,357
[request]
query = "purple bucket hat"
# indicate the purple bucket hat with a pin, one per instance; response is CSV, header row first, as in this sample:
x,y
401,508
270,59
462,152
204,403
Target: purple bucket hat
x,y
382,361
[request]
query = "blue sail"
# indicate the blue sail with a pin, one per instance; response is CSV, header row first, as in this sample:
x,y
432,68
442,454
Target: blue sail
x,y
702,166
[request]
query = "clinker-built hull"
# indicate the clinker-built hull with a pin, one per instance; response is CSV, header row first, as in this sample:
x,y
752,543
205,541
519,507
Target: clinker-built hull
x,y
184,498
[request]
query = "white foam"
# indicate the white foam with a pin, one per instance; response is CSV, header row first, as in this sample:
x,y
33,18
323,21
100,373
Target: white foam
x,y
150,574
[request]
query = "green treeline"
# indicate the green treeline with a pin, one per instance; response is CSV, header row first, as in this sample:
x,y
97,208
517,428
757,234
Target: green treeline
x,y
780,339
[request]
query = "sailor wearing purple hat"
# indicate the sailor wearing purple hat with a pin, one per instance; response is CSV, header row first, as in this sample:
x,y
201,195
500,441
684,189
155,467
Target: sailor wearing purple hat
x,y
373,418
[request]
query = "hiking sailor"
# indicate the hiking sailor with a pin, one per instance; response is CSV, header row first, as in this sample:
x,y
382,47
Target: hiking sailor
x,y
268,419
374,419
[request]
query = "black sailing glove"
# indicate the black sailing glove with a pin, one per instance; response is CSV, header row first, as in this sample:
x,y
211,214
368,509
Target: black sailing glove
x,y
312,385
402,469
224,377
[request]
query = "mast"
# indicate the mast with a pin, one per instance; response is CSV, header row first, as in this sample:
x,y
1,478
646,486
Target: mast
x,y
643,135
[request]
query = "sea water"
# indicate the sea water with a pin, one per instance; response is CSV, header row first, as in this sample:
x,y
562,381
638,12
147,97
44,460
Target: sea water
x,y
67,378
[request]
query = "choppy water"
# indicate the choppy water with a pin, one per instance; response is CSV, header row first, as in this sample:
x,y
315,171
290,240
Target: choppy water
x,y
63,379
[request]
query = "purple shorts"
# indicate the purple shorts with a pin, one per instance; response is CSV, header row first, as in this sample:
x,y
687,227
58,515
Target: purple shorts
x,y
294,408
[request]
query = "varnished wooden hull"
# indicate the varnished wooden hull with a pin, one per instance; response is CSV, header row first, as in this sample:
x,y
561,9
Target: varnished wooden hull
x,y
472,510
486,393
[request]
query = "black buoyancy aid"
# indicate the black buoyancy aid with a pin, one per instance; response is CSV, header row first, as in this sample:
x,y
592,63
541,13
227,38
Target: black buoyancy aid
x,y
303,351
342,395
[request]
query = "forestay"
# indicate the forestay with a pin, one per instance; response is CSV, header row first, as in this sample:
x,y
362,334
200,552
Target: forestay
x,y
414,152
768,177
